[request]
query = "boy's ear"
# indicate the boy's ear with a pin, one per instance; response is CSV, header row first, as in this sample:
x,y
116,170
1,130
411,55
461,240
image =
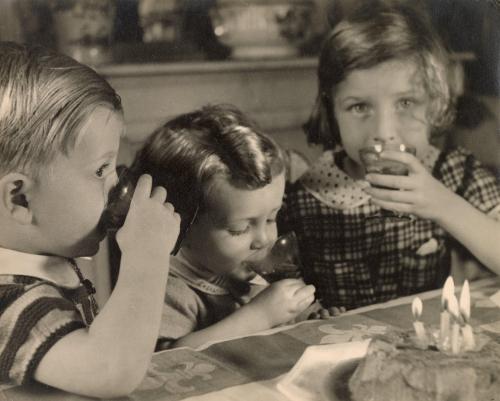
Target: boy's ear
x,y
14,197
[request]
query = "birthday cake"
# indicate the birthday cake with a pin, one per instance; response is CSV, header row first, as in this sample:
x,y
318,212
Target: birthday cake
x,y
397,368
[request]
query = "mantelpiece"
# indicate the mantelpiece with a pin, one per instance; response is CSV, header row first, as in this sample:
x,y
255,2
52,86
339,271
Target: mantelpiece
x,y
278,94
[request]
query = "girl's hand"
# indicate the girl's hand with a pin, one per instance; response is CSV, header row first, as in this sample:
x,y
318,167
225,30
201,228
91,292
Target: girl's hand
x,y
151,226
282,301
418,193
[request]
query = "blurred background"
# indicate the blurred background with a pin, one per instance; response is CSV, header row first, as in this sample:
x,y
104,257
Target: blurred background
x,y
166,57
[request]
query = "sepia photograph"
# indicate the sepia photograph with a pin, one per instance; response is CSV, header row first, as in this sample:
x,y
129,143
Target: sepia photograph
x,y
250,200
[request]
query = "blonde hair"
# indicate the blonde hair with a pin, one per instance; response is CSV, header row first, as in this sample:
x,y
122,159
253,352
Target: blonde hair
x,y
44,98
374,33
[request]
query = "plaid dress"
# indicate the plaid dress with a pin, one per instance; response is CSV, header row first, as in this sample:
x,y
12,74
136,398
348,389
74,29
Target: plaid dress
x,y
354,258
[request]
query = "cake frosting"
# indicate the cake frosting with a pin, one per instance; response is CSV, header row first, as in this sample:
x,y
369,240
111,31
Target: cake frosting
x,y
398,368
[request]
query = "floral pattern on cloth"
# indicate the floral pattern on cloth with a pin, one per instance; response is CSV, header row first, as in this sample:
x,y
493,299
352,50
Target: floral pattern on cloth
x,y
177,380
357,333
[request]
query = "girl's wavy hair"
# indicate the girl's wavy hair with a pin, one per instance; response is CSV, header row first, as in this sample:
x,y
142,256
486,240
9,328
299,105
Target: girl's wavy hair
x,y
373,33
45,97
189,151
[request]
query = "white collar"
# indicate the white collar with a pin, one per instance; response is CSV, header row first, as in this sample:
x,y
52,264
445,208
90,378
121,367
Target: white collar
x,y
55,269
332,186
197,277
202,279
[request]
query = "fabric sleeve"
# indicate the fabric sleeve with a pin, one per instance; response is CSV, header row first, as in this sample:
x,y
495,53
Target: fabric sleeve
x,y
482,189
180,311
474,182
33,318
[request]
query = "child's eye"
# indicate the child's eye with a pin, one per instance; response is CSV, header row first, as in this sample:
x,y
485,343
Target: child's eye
x,y
101,170
358,108
406,103
235,233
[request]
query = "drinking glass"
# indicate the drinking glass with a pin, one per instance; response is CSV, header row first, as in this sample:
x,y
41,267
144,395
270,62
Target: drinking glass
x,y
119,199
282,260
374,163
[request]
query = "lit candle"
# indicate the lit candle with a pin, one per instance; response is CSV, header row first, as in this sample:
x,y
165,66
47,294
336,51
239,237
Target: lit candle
x,y
444,327
455,326
416,309
464,303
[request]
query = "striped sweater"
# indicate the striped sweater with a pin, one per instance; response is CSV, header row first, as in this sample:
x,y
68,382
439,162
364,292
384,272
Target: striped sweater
x,y
34,315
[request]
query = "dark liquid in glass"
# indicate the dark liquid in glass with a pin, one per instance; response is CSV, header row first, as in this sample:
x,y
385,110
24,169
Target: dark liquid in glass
x,y
119,199
374,163
282,261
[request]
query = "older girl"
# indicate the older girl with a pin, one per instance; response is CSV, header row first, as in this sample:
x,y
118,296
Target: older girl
x,y
383,79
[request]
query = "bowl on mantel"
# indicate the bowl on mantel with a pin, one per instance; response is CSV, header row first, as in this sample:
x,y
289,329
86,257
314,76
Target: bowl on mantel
x,y
256,29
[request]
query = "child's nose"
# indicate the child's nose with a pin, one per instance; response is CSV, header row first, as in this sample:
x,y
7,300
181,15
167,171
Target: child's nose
x,y
385,128
262,239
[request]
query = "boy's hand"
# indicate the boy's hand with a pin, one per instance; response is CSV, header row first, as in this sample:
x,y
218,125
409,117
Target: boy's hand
x,y
282,301
151,226
419,192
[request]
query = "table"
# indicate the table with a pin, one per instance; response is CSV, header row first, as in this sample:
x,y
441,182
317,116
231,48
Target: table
x,y
248,368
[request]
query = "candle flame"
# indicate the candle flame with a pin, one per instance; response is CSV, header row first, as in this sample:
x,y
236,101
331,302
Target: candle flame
x,y
416,307
448,291
453,306
465,301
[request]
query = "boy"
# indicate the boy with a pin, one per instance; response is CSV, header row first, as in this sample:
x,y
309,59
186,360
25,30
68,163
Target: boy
x,y
60,126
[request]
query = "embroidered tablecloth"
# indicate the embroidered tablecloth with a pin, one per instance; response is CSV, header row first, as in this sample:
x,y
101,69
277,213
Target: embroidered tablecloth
x,y
246,368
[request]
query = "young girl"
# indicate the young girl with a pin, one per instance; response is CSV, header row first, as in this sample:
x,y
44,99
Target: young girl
x,y
226,180
383,79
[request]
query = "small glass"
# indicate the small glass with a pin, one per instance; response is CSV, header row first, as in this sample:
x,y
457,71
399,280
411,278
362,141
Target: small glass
x,y
119,199
374,163
282,260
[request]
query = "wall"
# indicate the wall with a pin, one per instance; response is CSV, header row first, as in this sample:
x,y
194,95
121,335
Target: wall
x,y
278,94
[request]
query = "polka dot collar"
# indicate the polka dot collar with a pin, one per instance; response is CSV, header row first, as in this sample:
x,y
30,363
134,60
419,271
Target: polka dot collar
x,y
329,184
332,186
